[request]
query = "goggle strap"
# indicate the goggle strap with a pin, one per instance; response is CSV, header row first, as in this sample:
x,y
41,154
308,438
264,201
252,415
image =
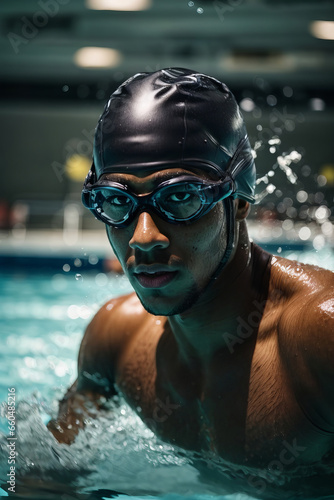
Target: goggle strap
x,y
230,230
90,177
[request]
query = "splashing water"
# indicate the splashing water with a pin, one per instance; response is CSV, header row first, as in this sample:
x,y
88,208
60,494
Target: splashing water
x,y
115,453
283,162
308,218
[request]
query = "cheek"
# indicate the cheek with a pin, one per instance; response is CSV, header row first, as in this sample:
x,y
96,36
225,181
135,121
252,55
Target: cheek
x,y
119,241
209,237
221,229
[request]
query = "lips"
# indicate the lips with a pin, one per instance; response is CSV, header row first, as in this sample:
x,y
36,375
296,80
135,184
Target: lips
x,y
154,276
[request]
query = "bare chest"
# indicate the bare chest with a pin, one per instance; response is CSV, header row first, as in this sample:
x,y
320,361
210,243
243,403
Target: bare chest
x,y
250,419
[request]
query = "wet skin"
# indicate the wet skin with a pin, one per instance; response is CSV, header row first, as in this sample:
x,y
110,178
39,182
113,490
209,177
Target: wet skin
x,y
239,370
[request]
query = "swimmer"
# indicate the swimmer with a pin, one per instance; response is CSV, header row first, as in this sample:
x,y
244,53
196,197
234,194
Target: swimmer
x,y
223,349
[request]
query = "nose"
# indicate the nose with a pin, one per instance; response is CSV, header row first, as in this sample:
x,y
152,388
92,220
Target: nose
x,y
147,235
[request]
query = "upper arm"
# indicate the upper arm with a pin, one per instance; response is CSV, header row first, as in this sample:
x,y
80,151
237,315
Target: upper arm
x,y
100,349
319,355
95,368
311,357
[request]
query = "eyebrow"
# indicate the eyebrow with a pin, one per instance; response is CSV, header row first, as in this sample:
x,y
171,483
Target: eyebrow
x,y
161,177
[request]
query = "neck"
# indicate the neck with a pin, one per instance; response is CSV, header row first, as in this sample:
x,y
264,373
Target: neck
x,y
210,325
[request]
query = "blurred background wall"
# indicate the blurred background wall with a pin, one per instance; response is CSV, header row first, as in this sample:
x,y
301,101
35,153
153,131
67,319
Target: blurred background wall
x,y
61,59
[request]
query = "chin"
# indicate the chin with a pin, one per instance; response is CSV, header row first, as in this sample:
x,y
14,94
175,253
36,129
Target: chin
x,y
159,305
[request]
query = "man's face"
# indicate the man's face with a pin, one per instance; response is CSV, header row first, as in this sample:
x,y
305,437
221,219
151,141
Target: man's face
x,y
167,264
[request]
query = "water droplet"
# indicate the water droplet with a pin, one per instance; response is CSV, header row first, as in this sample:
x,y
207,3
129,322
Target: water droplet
x,y
200,10
78,277
271,100
321,180
301,196
287,225
322,213
327,228
284,163
279,250
93,259
288,91
190,4
319,242
317,104
66,268
304,233
274,140
247,104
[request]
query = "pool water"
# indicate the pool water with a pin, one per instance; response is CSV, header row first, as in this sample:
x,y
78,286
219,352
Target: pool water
x,y
42,319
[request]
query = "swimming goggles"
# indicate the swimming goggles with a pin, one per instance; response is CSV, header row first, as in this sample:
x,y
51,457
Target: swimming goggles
x,y
179,200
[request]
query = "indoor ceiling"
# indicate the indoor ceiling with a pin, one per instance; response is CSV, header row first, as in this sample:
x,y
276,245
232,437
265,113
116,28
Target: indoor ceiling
x,y
247,43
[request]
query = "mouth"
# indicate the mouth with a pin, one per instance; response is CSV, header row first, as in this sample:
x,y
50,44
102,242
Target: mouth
x,y
154,276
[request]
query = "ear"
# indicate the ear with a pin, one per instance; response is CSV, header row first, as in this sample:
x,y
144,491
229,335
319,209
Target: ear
x,y
242,209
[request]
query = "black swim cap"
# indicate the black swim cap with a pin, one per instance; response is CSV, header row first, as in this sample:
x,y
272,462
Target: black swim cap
x,y
174,117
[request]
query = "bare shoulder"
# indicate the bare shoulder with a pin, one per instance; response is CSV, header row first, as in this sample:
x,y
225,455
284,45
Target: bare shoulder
x,y
106,337
296,276
118,319
305,330
305,296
